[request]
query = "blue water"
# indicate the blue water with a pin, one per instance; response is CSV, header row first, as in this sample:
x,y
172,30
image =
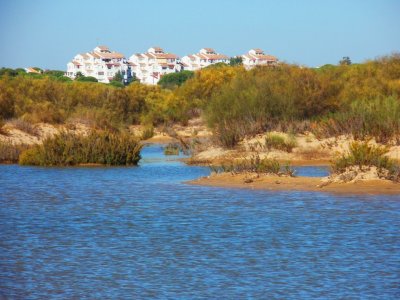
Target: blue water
x,y
140,233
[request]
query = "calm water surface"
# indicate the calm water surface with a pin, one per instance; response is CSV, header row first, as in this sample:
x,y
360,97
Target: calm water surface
x,y
139,233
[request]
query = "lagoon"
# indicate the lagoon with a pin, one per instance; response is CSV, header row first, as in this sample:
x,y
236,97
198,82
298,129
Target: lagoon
x,y
141,233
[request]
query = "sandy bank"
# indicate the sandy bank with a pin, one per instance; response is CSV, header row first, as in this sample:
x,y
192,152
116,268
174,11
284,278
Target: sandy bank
x,y
309,151
276,183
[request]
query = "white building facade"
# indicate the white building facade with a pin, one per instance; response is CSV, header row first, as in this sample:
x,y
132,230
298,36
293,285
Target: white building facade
x,y
101,64
205,58
257,57
149,67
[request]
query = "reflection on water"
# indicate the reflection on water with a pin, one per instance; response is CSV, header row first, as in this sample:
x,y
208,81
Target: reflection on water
x,y
139,233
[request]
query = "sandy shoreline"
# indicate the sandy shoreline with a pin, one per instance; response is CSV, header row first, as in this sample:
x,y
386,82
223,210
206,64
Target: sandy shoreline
x,y
277,183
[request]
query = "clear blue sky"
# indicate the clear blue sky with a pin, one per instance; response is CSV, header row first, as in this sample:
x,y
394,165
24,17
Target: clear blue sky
x,y
48,33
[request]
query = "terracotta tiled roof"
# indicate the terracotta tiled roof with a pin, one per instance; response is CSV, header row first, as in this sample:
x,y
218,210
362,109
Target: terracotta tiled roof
x,y
168,55
260,57
216,56
267,57
31,70
85,55
102,47
149,55
110,55
202,56
158,49
209,50
94,55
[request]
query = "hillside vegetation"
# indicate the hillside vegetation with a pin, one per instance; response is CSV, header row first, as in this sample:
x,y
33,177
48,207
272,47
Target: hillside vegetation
x,y
359,99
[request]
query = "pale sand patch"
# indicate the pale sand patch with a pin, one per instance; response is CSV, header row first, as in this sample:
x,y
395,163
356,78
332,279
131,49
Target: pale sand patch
x,y
309,150
277,183
45,130
16,137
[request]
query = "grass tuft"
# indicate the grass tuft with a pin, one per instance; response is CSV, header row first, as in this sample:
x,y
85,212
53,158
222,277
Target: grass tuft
x,y
148,132
255,165
9,153
278,142
172,149
69,149
362,154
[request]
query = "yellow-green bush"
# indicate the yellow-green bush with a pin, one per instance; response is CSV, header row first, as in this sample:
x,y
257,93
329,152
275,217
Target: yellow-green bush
x,y
361,99
363,154
278,142
99,147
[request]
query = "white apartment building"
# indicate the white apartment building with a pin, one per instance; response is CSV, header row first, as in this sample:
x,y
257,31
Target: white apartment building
x,y
149,67
205,58
101,63
257,57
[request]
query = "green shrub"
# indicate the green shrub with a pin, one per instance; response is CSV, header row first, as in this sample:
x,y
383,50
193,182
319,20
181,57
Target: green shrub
x,y
278,142
68,149
378,118
63,79
173,80
117,84
86,79
362,154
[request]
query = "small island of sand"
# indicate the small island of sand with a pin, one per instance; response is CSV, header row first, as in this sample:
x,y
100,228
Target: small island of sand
x,y
286,183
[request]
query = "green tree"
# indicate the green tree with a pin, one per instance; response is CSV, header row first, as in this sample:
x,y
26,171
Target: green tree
x,y
55,73
345,61
235,61
116,83
118,77
86,79
175,79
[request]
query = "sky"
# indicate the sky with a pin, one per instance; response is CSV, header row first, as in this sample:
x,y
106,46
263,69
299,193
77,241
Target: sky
x,y
49,33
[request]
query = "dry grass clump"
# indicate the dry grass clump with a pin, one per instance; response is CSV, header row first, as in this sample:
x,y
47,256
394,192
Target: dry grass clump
x,y
3,131
362,155
172,149
98,147
148,132
25,126
378,118
9,153
255,165
312,153
278,142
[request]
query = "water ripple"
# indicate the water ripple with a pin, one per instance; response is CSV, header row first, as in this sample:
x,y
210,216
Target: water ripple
x,y
123,233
